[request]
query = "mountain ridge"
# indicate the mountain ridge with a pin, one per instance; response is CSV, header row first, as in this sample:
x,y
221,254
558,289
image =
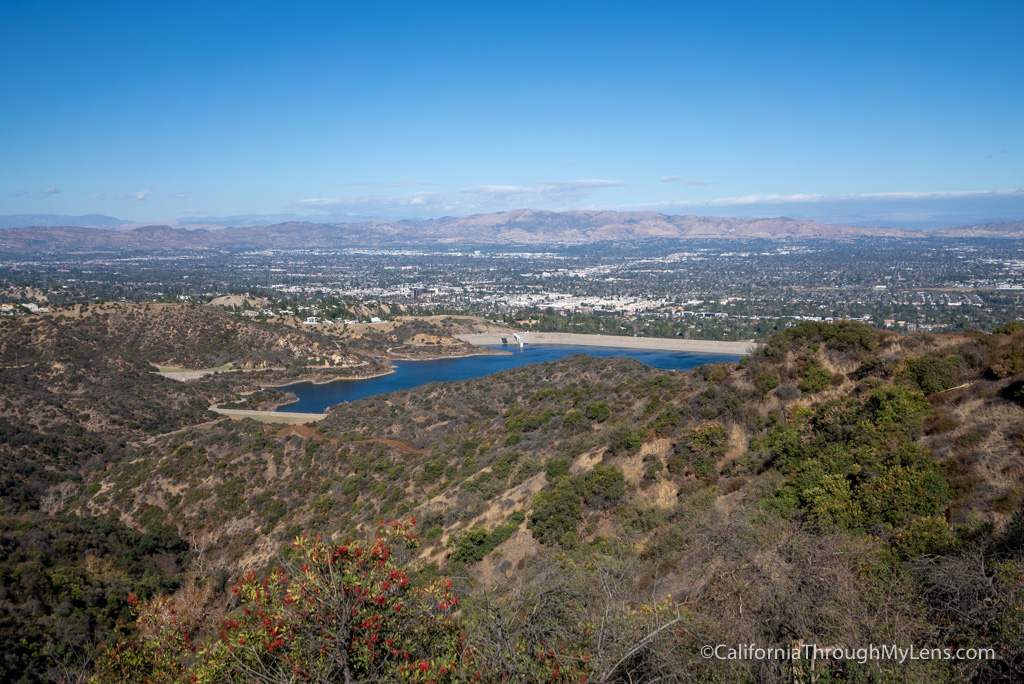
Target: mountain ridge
x,y
520,226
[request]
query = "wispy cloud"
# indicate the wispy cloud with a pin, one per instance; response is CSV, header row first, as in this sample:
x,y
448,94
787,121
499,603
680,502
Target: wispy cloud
x,y
477,199
684,181
183,195
812,198
140,196
554,193
43,193
932,207
99,196
318,202
390,184
921,209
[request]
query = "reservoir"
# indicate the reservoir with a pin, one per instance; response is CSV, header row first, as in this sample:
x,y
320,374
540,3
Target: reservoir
x,y
315,398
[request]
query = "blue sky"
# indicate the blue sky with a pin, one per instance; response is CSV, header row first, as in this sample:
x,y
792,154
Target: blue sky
x,y
845,111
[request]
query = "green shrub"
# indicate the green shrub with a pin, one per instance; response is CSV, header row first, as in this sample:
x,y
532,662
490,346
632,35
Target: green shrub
x,y
714,373
934,373
699,449
502,467
766,381
556,513
574,423
432,470
598,411
666,421
625,439
352,485
852,465
471,546
900,493
640,519
929,534
572,448
894,410
1007,360
602,487
475,544
815,377
556,467
830,502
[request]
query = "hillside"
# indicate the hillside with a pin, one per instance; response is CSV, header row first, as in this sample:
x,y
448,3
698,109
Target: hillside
x,y
197,337
841,486
832,450
81,383
80,392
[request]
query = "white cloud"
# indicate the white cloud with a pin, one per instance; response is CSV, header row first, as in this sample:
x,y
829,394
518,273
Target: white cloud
x,y
391,184
684,181
497,189
99,196
541,195
318,202
942,206
43,193
140,196
908,209
814,198
183,195
477,199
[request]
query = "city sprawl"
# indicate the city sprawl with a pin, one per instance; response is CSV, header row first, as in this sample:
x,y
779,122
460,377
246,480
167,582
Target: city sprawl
x,y
724,289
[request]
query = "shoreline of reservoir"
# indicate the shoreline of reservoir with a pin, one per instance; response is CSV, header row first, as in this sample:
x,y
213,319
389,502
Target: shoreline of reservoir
x,y
680,355
614,341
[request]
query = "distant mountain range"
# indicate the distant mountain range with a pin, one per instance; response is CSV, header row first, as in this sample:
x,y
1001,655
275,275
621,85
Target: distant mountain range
x,y
523,226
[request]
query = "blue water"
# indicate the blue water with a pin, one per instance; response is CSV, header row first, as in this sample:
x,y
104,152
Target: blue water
x,y
408,374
